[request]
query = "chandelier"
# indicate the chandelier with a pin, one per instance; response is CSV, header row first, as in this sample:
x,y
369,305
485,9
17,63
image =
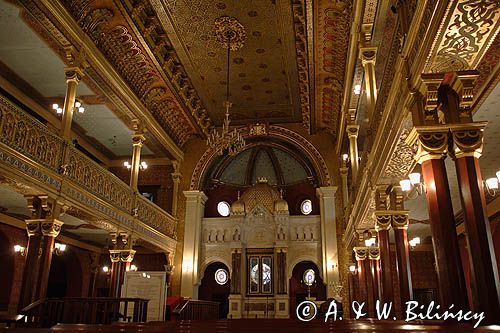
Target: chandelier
x,y
231,34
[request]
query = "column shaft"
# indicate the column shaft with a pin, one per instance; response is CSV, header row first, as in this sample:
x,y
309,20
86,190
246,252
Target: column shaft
x,y
386,292
352,132
138,140
403,264
449,266
73,77
236,274
30,274
485,282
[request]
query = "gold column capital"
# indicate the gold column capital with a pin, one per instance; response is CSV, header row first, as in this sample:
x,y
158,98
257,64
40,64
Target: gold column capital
x,y
343,171
383,220
374,253
352,130
73,74
431,141
431,83
44,227
467,139
361,252
368,55
400,219
122,255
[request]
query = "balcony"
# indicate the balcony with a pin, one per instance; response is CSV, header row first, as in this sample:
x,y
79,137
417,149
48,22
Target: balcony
x,y
32,154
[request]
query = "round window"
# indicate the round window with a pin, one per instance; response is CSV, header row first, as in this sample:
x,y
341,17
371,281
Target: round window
x,y
306,207
309,277
221,276
223,208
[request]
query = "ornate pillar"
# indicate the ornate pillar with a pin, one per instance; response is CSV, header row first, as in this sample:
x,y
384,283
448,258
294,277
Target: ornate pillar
x,y
235,297
282,298
43,227
169,269
73,77
352,133
382,226
195,209
137,142
329,248
368,56
466,149
121,256
374,256
343,177
400,226
176,177
361,254
432,142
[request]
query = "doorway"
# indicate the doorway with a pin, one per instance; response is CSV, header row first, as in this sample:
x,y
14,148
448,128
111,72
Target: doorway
x,y
215,287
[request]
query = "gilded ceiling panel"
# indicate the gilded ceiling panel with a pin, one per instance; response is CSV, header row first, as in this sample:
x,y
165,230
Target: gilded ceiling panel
x,y
332,30
469,28
264,83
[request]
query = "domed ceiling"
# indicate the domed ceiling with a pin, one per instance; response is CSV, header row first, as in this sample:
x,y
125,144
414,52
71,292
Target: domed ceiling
x,y
279,165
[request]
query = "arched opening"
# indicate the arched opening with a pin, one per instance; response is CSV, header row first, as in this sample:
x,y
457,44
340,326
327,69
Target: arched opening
x,y
300,290
6,277
65,277
216,288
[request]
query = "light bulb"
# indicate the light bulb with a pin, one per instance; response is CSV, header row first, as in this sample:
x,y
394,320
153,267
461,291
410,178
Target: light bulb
x,y
18,248
352,268
55,106
498,175
405,185
59,110
345,157
105,269
492,183
357,89
78,104
81,109
414,178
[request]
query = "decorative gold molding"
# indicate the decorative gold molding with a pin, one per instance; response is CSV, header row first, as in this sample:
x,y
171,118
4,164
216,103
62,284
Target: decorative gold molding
x,y
431,141
374,253
360,252
467,139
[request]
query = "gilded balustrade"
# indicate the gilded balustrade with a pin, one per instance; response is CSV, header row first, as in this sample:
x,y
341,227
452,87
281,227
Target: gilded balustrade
x,y
26,144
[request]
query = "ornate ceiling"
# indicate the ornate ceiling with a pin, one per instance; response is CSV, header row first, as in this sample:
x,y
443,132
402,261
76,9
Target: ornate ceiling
x,y
263,81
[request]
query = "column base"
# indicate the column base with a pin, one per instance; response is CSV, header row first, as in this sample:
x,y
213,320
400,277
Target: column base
x,y
282,306
235,308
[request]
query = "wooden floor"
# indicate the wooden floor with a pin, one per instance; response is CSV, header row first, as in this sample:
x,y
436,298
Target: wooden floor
x,y
266,325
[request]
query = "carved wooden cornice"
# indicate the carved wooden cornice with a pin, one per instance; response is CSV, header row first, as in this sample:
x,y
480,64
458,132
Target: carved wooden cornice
x,y
332,26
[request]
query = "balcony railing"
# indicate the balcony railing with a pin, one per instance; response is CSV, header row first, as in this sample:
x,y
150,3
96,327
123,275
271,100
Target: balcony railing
x,y
29,149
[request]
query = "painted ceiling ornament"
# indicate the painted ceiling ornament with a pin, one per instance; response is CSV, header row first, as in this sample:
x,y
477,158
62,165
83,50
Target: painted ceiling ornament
x,y
229,28
231,34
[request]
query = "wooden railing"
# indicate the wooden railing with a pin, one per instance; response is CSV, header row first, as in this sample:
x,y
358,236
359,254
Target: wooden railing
x,y
31,150
197,310
103,310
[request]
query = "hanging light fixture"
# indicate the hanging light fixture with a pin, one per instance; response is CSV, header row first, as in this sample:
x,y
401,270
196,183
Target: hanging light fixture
x,y
231,34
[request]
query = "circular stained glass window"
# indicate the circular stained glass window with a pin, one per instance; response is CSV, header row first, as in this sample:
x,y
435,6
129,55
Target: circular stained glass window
x,y
221,276
309,277
306,207
223,208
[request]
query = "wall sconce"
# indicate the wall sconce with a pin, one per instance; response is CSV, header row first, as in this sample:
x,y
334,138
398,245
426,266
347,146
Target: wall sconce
x,y
413,186
132,268
59,248
370,241
352,268
491,184
147,276
105,269
20,249
414,242
77,107
142,166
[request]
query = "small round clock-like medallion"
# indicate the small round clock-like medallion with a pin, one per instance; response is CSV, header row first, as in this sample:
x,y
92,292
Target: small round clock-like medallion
x,y
309,277
221,276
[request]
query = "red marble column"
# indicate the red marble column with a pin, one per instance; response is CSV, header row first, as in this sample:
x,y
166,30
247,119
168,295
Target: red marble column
x,y
374,255
361,292
467,143
449,266
120,261
382,227
41,233
370,292
400,226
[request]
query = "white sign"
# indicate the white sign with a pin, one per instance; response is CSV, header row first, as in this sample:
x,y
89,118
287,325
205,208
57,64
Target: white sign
x,y
147,285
